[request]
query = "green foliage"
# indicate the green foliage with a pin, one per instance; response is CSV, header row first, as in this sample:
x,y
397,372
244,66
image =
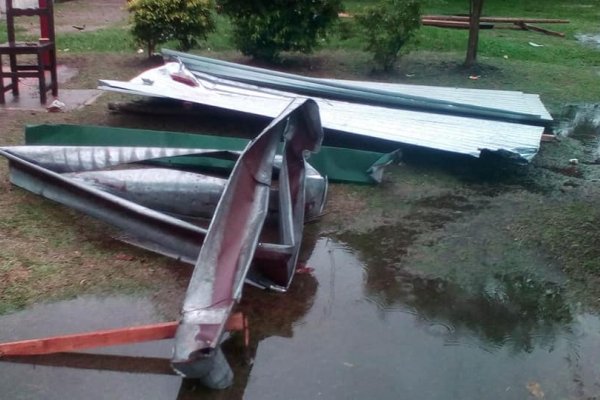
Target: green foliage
x,y
387,27
265,28
158,21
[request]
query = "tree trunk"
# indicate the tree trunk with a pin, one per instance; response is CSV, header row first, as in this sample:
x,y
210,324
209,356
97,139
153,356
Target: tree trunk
x,y
475,16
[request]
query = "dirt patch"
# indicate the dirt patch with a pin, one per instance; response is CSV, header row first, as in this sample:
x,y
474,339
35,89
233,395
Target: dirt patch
x,y
82,16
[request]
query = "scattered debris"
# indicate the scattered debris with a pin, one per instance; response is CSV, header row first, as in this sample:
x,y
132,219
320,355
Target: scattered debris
x,y
549,138
56,106
513,129
223,262
233,236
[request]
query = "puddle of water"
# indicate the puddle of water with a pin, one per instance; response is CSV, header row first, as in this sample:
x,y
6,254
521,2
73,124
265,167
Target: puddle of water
x,y
358,328
582,122
589,39
90,376
372,335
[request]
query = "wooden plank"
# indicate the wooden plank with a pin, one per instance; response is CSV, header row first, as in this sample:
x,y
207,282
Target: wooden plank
x,y
453,24
534,28
497,19
110,337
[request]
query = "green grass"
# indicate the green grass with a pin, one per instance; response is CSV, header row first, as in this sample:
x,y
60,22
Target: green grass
x,y
563,70
501,42
568,232
104,40
497,43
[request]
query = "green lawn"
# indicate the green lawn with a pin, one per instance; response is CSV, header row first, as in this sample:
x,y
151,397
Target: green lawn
x,y
562,69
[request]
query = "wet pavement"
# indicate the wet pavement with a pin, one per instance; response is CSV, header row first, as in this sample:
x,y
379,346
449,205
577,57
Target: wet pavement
x,y
29,98
30,381
356,329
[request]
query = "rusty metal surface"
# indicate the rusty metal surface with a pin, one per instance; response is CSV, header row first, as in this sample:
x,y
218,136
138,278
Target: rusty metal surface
x,y
229,246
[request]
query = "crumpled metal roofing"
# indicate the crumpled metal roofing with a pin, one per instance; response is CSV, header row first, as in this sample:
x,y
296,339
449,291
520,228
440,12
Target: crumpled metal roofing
x,y
456,134
231,242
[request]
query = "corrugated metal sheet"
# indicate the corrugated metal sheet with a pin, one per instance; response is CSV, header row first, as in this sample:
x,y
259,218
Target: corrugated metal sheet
x,y
508,100
319,88
442,132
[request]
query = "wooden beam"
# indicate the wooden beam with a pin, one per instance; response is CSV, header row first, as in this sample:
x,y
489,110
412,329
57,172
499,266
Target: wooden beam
x,y
497,19
530,27
110,337
453,24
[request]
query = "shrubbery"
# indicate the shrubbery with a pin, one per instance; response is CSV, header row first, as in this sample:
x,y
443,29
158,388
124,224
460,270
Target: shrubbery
x,y
265,28
387,26
158,21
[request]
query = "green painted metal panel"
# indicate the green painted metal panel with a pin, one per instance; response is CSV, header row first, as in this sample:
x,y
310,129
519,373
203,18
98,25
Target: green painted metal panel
x,y
338,164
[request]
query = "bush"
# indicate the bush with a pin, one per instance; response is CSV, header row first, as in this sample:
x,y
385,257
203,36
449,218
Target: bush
x,y
265,28
387,27
158,21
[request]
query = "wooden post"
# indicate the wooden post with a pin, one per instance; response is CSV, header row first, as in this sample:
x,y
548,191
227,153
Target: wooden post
x,y
475,16
44,30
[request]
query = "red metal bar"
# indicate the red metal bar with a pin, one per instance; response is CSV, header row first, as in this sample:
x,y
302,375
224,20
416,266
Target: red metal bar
x,y
110,337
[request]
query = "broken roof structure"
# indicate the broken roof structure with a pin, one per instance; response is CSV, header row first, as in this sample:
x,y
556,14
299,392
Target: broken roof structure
x,y
464,121
223,254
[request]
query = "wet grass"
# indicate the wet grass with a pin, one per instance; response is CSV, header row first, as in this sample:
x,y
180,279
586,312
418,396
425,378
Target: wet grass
x,y
49,252
103,40
46,251
568,232
507,60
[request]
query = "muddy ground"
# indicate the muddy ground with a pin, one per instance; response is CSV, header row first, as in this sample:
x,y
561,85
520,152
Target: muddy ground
x,y
498,261
454,278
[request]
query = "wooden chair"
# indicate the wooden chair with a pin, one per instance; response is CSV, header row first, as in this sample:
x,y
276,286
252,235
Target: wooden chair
x,y
44,51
